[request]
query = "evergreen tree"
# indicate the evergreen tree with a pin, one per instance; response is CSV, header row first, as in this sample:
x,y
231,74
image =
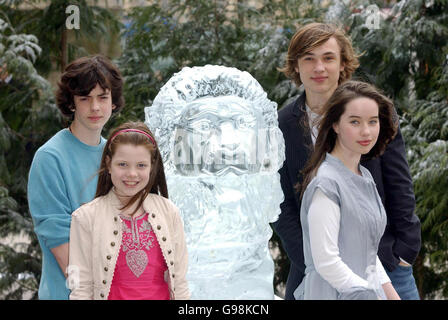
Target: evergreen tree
x,y
407,58
30,41
59,44
28,116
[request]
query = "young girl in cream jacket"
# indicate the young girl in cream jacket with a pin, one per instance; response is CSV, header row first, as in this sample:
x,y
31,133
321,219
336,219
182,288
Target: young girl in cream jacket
x,y
128,243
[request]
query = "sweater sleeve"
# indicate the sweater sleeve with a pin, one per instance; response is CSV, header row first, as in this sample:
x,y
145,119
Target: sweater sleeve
x,y
48,201
323,221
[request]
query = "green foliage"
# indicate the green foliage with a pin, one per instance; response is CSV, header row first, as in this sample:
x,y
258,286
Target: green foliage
x,y
20,264
407,58
428,136
27,117
49,26
161,41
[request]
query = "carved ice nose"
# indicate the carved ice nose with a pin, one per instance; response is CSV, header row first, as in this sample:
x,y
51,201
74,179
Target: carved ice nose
x,y
229,137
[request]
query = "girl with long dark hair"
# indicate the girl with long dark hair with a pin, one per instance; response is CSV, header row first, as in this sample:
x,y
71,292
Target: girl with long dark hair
x,y
342,216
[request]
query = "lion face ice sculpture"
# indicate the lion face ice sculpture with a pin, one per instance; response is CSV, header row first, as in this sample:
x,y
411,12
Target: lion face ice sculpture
x,y
215,136
219,138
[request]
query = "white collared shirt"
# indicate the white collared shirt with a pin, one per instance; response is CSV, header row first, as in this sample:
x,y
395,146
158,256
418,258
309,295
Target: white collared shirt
x,y
312,120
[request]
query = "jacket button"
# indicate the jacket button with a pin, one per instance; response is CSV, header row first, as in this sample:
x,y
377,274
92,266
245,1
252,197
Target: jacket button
x,y
115,232
109,257
174,275
112,244
169,251
106,269
171,262
159,227
115,219
102,295
104,281
163,239
153,215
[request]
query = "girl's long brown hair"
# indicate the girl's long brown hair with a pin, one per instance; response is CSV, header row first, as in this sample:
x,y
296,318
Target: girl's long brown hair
x,y
157,181
332,112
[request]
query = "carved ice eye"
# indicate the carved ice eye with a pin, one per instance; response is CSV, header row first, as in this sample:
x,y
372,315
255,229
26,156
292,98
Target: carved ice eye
x,y
205,126
245,121
201,125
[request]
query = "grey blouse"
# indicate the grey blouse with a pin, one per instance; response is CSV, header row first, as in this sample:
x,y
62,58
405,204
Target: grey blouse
x,y
362,224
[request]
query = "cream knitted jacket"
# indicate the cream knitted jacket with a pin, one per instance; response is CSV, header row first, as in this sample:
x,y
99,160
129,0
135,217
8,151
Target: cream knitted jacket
x,y
95,240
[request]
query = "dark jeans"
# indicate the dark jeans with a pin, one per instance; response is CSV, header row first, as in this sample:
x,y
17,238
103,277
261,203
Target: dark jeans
x,y
404,282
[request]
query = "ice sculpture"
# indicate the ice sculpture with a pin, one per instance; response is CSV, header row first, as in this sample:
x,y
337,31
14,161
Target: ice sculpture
x,y
219,138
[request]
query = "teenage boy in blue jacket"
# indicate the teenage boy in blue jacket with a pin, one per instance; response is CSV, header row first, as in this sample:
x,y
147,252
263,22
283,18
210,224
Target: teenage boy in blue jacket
x,y
320,57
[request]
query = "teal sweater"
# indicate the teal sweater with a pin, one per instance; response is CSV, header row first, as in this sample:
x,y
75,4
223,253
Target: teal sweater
x,y
62,177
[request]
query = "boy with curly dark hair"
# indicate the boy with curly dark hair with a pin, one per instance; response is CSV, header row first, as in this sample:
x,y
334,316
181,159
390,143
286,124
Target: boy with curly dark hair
x,y
63,171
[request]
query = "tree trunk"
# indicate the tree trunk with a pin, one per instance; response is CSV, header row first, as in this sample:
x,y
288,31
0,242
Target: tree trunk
x,y
63,58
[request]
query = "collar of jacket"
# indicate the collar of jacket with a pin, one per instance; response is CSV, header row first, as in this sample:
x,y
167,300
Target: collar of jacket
x,y
162,230
148,204
299,105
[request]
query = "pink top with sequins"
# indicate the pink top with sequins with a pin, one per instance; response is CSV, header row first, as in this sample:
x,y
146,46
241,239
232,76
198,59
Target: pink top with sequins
x,y
139,272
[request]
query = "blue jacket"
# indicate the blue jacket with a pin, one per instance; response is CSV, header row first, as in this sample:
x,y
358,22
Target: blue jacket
x,y
402,237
